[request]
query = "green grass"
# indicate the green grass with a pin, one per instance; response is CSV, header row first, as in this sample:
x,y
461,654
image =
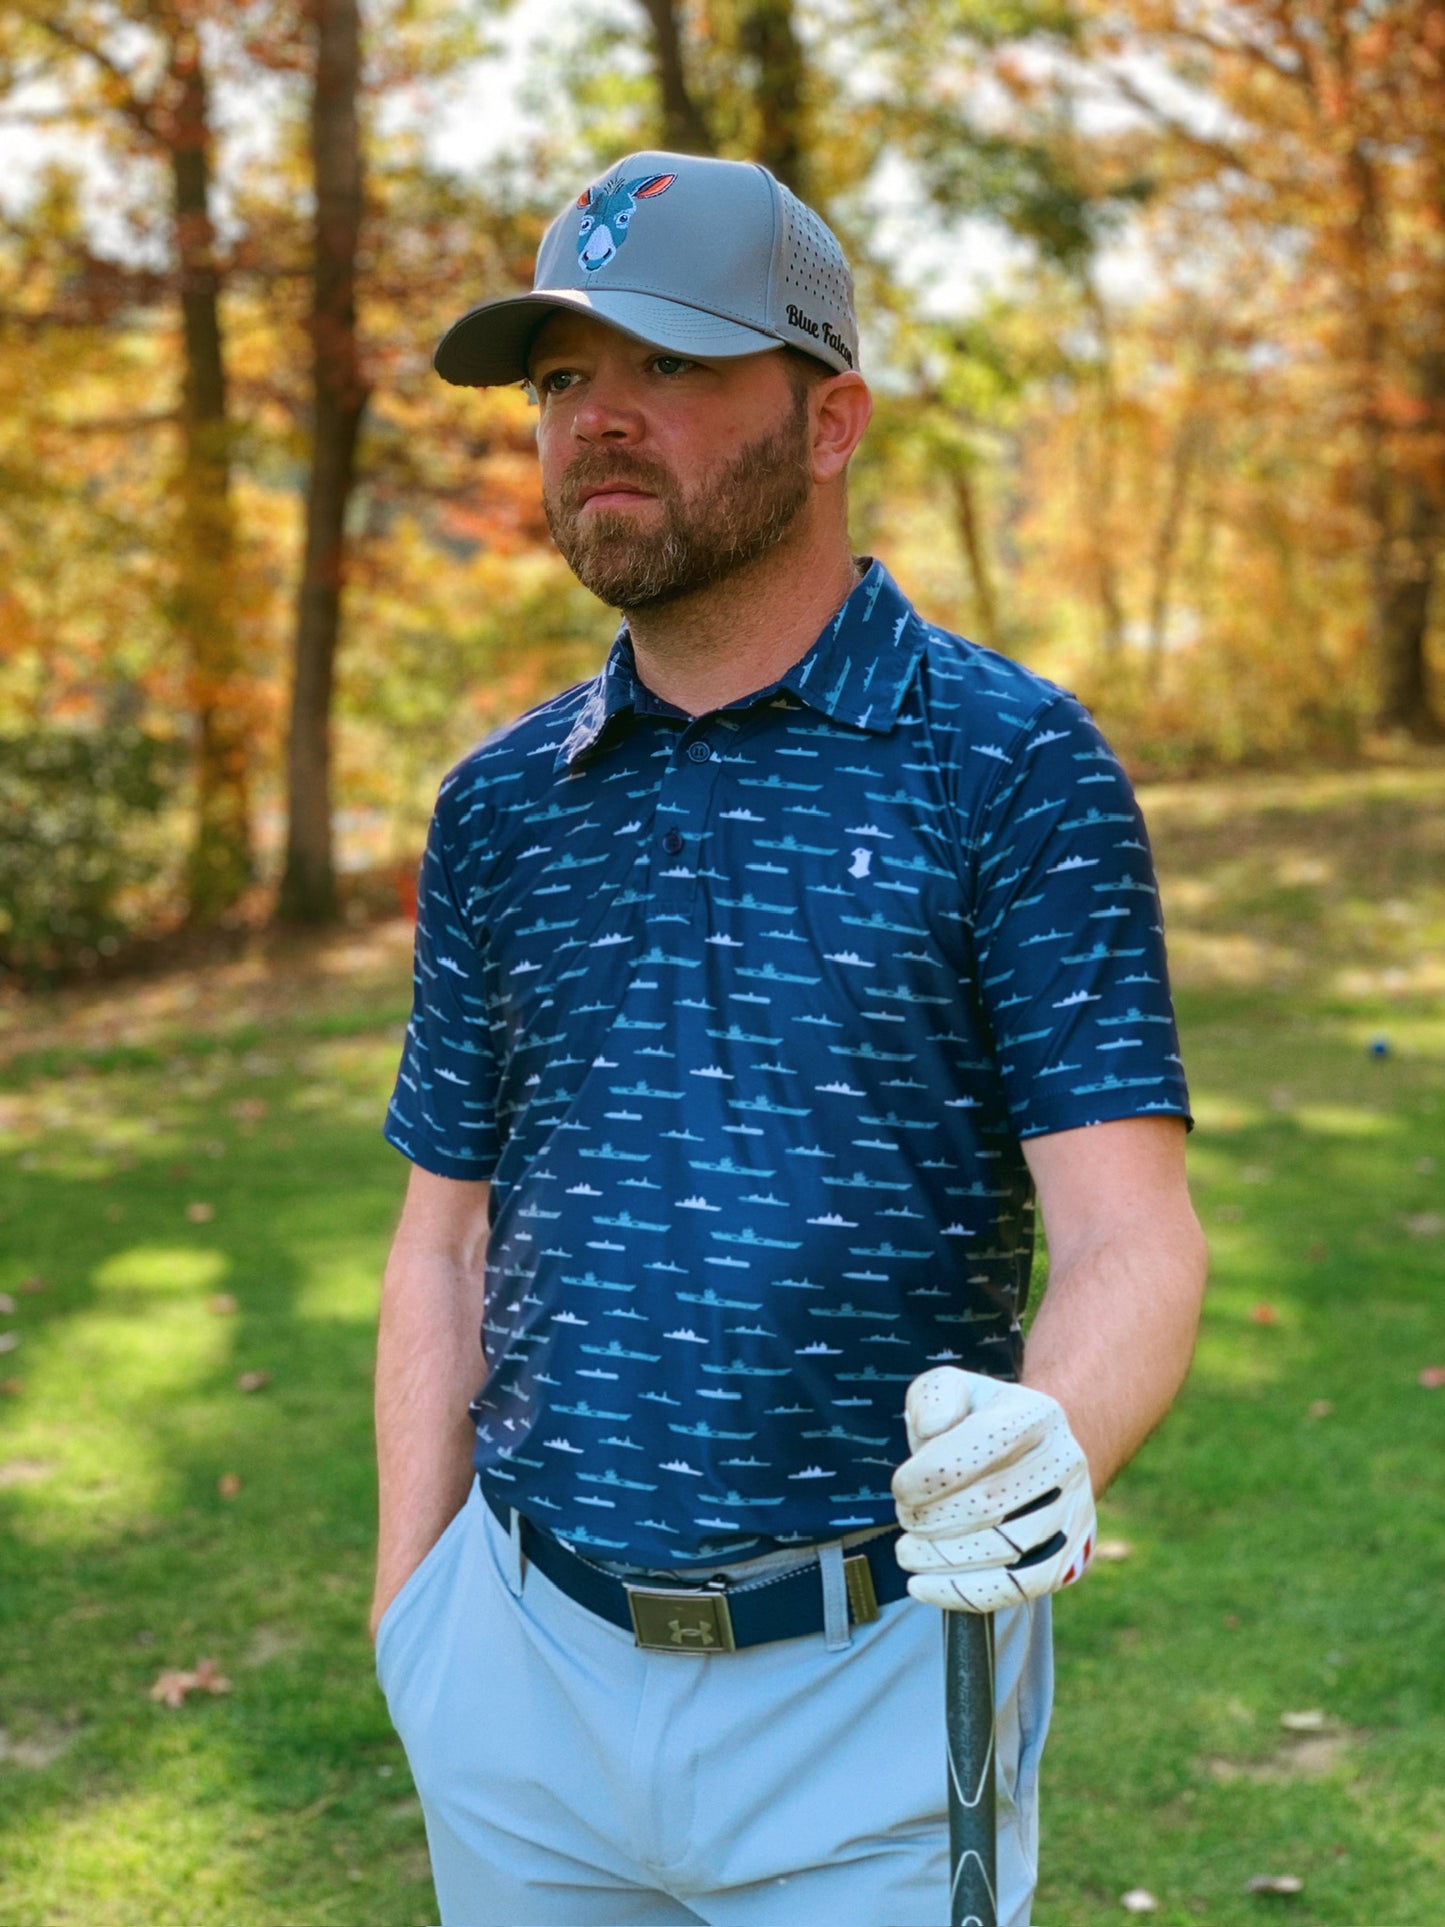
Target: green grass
x,y
1283,1558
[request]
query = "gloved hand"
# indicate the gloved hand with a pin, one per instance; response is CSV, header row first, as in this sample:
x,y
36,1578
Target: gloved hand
x,y
995,1503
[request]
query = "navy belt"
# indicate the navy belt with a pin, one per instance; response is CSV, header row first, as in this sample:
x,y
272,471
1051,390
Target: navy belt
x,y
714,1617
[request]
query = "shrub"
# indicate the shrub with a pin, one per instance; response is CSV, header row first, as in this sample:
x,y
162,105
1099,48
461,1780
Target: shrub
x,y
81,849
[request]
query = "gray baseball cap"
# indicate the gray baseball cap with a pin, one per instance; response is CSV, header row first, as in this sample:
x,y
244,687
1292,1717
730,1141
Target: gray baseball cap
x,y
698,257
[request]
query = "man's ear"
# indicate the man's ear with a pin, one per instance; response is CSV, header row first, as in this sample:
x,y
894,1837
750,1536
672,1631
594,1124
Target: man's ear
x,y
841,408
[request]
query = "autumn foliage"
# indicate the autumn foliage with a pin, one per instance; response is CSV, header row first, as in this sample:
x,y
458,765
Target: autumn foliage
x,y
1184,447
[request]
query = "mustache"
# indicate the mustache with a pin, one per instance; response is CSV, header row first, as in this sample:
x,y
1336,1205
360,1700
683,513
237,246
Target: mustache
x,y
595,466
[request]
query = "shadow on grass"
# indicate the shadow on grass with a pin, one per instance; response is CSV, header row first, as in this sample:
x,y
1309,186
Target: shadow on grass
x,y
119,1555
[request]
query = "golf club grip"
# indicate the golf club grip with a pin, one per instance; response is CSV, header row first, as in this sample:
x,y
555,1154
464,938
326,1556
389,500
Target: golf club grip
x,y
972,1821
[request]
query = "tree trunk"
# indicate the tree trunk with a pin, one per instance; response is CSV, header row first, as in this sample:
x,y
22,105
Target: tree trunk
x,y
769,35
1409,536
204,610
1098,481
1187,449
684,128
1405,562
308,885
966,508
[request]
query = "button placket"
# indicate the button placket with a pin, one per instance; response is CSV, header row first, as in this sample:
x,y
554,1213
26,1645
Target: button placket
x,y
682,810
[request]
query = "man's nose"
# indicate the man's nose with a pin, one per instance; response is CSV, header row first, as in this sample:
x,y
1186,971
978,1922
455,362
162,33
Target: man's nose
x,y
608,413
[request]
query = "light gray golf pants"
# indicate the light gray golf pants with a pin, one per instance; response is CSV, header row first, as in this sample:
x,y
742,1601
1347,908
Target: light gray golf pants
x,y
568,1778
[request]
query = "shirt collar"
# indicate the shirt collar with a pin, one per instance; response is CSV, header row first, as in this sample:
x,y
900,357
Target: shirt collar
x,y
857,672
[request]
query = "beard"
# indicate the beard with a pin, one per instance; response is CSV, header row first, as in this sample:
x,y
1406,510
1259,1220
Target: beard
x,y
739,510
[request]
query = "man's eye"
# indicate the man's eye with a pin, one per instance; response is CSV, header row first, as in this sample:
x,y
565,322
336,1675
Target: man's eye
x,y
671,364
556,381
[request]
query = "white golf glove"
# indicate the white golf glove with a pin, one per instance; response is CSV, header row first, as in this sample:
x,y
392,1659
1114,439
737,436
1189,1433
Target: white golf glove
x,y
995,1503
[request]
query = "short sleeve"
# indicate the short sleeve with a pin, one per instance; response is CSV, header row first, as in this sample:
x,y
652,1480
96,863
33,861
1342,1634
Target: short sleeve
x,y
1069,935
443,1112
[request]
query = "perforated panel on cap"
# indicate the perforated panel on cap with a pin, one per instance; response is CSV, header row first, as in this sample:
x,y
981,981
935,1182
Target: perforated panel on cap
x,y
815,275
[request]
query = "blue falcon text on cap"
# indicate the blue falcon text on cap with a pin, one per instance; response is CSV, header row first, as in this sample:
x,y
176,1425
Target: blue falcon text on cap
x,y
698,257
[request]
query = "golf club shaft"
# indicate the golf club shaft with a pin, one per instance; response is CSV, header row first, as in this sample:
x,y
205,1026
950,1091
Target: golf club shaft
x,y
972,1822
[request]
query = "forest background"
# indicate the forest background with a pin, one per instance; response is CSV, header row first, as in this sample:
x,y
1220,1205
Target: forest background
x,y
1153,300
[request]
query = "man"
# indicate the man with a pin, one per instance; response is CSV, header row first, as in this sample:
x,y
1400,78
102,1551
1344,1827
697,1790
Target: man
x,y
761,984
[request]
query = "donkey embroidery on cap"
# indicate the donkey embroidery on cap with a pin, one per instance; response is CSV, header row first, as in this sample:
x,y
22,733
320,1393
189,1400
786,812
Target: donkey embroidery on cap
x,y
607,211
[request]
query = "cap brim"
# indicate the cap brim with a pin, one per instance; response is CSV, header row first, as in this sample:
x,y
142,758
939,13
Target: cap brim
x,y
489,346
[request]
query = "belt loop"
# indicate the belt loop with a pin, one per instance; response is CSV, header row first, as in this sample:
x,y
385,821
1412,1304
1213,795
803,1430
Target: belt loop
x,y
837,1634
515,1563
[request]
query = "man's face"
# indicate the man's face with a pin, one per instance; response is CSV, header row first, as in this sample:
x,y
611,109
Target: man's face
x,y
660,475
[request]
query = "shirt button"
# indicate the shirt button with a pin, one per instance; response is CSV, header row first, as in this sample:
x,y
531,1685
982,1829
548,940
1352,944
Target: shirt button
x,y
698,753
672,842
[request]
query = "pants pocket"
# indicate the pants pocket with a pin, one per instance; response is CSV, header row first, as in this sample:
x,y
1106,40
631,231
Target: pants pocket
x,y
420,1580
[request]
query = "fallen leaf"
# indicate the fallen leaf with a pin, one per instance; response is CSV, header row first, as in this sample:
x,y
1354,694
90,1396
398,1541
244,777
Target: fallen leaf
x,y
249,1110
1139,1900
228,1485
114,1213
172,1685
9,1341
200,1213
1424,1224
252,1381
1322,1408
1263,1315
1317,1253
1311,1721
1425,1166
222,1304
1433,1377
32,1284
1113,1549
1255,1174
179,1171
1274,1883
11,1387
1233,1622
7,1303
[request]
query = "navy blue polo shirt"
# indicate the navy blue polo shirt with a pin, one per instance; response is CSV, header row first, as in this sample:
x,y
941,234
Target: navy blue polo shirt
x,y
746,1018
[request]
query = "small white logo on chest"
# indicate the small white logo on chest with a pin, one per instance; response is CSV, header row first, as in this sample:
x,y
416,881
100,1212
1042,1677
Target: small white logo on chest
x,y
862,863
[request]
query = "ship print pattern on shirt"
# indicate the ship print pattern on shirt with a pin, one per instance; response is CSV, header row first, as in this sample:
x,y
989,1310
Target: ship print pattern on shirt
x,y
752,1106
